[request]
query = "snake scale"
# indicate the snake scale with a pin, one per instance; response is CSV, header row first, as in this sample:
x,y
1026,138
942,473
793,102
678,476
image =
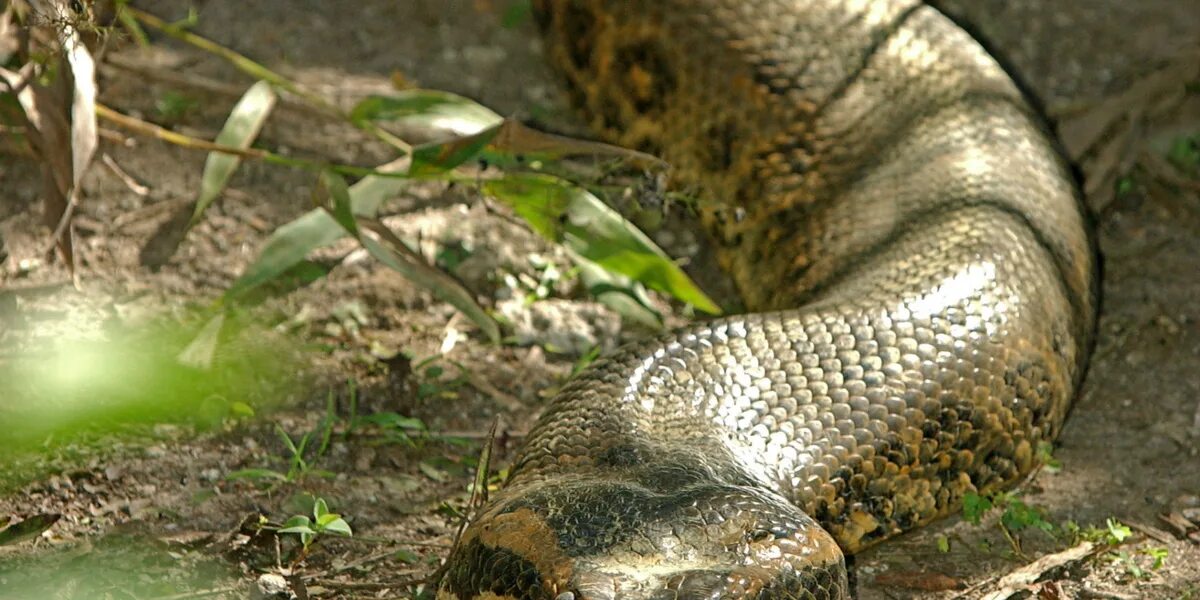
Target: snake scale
x,y
922,285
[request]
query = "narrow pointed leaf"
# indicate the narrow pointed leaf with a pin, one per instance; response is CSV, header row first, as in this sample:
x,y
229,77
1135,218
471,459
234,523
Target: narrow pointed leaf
x,y
432,109
393,252
513,146
389,249
573,216
240,130
199,354
439,157
291,243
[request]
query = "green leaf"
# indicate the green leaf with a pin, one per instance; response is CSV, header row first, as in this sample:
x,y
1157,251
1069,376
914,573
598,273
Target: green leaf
x,y
297,524
1018,515
28,528
618,292
432,109
439,157
339,207
943,544
291,243
433,472
975,506
407,556
394,420
390,250
199,354
1045,456
242,126
320,509
518,12
1158,554
573,216
1184,153
1117,531
241,409
336,525
514,147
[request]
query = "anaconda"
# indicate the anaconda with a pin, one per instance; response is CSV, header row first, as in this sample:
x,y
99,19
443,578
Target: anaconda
x,y
922,291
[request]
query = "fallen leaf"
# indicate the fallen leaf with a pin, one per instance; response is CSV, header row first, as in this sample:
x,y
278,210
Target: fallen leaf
x,y
28,528
919,580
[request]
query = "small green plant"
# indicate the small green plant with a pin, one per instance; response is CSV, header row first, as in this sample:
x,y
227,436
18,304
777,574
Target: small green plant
x,y
395,427
1129,561
300,465
1184,153
586,360
322,522
1016,515
173,106
433,385
1114,533
1045,457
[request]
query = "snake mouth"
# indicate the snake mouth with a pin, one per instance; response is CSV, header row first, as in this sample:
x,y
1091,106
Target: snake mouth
x,y
612,540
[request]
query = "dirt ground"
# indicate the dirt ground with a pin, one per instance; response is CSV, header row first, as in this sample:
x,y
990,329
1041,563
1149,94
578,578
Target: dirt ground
x,y
154,515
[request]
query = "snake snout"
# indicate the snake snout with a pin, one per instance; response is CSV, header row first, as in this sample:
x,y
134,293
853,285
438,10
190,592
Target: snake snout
x,y
620,540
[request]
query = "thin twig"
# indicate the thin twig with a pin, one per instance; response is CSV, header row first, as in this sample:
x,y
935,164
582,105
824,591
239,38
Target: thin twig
x,y
126,178
203,84
368,585
173,137
1027,575
258,71
166,135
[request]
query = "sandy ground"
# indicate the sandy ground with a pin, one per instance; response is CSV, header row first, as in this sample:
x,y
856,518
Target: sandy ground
x,y
1110,74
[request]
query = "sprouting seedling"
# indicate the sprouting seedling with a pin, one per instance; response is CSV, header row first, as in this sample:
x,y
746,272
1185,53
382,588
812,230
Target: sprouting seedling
x,y
322,522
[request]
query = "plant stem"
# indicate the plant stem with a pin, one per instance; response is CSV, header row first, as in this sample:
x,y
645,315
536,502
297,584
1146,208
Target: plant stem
x,y
186,141
258,71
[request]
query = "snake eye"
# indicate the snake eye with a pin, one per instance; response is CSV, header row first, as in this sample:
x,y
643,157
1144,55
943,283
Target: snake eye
x,y
759,535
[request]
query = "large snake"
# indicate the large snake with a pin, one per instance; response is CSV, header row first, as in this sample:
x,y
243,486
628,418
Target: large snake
x,y
924,286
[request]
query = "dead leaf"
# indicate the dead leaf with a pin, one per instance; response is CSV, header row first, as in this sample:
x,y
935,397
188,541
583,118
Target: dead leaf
x,y
1027,575
919,580
60,120
28,528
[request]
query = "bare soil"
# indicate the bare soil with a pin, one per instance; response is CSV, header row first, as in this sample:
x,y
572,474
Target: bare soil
x,y
153,515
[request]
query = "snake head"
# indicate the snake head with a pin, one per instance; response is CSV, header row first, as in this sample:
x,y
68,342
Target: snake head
x,y
608,540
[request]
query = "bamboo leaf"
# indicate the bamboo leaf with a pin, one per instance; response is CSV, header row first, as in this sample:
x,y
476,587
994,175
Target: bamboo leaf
x,y
292,242
390,250
431,109
573,216
240,130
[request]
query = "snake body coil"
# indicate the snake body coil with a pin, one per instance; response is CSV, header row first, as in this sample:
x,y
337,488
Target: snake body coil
x,y
924,288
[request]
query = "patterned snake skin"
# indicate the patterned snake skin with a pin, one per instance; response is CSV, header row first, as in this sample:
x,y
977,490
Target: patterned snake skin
x,y
924,293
